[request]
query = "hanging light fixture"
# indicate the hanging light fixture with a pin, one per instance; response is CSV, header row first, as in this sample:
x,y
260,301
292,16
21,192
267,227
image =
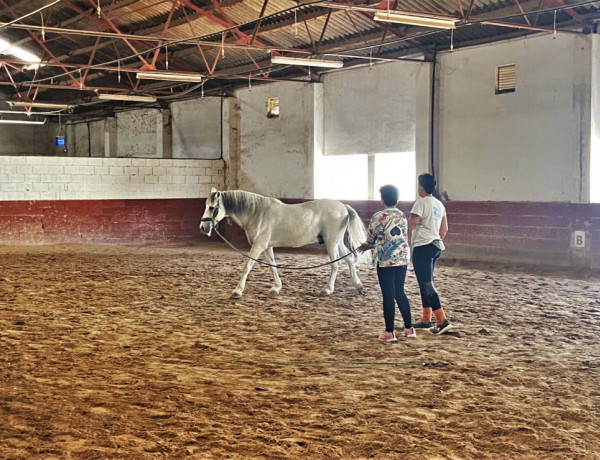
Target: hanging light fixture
x,y
126,97
170,76
307,62
424,21
41,105
22,122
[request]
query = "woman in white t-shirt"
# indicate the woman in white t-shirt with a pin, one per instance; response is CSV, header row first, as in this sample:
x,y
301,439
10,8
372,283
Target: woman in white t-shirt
x,y
428,225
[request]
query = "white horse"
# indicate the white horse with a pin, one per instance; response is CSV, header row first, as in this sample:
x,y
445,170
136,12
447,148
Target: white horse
x,y
269,223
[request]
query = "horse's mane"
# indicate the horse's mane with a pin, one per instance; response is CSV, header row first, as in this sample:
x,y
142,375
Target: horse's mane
x,y
240,202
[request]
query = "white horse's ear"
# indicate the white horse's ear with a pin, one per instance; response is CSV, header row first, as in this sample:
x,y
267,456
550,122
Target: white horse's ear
x,y
213,190
218,195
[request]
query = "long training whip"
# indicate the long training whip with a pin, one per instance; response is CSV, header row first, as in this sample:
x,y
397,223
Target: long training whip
x,y
283,267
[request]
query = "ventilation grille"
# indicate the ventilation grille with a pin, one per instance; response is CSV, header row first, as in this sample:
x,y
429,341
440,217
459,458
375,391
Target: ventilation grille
x,y
506,78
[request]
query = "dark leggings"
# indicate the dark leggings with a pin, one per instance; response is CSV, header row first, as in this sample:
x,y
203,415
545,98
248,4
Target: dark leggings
x,y
391,281
424,259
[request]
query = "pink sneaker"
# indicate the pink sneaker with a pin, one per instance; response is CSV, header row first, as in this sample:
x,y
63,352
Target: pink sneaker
x,y
410,333
388,337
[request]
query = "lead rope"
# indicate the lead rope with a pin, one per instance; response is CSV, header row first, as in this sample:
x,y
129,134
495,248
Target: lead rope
x,y
283,267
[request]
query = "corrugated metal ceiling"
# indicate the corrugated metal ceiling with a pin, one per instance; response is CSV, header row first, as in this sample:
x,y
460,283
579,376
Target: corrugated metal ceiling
x,y
96,46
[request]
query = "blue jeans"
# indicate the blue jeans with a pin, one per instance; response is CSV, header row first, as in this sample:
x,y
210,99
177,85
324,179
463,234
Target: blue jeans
x,y
391,281
424,259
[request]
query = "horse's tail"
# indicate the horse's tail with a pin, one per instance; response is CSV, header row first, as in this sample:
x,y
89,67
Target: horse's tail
x,y
357,233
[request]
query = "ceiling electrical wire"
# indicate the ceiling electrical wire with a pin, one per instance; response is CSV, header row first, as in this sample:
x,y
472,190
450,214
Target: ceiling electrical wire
x,y
14,21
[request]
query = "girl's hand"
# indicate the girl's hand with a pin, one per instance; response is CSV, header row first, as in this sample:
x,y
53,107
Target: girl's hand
x,y
363,247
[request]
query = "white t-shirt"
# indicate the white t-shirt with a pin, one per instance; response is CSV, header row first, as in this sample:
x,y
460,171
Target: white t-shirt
x,y
431,210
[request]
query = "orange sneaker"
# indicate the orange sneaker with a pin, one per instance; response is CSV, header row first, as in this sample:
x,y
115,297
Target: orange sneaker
x,y
388,337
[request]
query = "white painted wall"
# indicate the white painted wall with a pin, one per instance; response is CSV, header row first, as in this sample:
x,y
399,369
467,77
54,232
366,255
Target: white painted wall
x,y
595,123
63,178
197,128
531,145
370,109
276,154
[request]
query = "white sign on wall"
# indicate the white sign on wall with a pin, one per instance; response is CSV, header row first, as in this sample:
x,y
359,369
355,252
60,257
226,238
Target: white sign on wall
x,y
579,239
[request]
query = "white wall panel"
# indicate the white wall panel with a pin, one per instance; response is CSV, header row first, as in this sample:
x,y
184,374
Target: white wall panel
x,y
139,134
371,109
196,128
276,154
530,145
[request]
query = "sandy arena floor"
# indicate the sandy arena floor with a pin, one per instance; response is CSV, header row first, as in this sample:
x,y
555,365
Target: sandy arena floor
x,y
138,353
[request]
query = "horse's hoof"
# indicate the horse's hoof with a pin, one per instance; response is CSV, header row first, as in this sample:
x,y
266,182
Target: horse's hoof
x,y
326,291
273,292
236,295
361,290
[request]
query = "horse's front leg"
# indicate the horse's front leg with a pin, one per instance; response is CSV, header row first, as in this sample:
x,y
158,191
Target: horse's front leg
x,y
254,253
270,257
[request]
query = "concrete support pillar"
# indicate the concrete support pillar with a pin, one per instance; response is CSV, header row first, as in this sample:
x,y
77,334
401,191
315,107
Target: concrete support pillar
x,y
110,137
423,120
316,149
232,149
593,173
167,134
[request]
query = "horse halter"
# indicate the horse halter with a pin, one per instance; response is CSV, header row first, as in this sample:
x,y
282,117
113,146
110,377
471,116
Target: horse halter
x,y
212,220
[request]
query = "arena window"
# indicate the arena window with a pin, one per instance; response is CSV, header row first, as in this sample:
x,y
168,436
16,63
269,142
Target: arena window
x,y
359,177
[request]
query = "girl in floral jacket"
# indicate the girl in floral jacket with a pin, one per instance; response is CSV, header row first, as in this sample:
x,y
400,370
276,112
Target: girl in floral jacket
x,y
387,236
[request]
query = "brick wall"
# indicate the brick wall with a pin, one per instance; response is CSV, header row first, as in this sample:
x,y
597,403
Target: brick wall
x,y
76,178
538,233
507,232
103,200
100,221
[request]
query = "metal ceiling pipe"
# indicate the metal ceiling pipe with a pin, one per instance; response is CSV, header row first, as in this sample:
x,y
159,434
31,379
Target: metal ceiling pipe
x,y
29,14
533,28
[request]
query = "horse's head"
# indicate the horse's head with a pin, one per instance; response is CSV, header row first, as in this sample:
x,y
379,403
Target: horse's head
x,y
213,213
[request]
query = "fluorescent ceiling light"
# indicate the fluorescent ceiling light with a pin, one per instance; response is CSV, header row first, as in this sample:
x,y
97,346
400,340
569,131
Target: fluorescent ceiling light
x,y
170,76
20,53
126,97
42,105
22,122
390,16
19,112
306,62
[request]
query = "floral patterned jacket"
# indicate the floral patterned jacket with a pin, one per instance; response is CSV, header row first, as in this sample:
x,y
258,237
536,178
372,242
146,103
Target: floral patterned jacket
x,y
387,233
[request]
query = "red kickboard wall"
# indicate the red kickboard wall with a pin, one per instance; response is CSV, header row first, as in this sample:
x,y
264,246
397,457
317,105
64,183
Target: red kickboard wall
x,y
517,232
507,232
100,221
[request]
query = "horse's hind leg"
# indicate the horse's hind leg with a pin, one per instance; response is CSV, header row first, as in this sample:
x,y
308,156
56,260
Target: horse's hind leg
x,y
270,256
343,250
333,254
255,252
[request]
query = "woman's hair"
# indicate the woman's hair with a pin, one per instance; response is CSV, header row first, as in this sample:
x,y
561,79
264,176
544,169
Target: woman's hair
x,y
389,195
427,182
